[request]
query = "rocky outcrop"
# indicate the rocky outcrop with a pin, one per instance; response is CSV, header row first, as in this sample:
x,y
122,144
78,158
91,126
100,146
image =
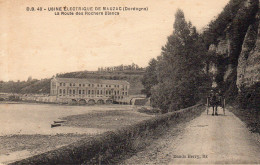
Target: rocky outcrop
x,y
248,69
223,47
237,50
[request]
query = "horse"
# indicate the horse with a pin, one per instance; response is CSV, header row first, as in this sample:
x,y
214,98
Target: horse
x,y
214,101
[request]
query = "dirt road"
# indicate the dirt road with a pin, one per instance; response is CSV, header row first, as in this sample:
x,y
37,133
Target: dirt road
x,y
204,140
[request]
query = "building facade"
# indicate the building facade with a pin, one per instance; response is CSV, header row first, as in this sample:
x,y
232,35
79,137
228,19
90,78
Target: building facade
x,y
89,91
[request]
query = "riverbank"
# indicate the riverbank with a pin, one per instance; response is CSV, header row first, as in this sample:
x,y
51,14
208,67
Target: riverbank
x,y
16,147
26,128
111,147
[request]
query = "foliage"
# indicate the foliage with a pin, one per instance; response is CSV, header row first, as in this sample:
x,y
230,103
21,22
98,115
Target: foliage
x,y
217,27
149,111
133,67
248,100
13,98
249,97
30,86
150,78
180,67
237,30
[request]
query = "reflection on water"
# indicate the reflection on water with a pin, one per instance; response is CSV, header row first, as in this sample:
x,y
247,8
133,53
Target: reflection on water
x,y
37,118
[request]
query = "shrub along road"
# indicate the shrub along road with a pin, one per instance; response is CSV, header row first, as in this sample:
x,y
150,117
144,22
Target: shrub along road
x,y
206,139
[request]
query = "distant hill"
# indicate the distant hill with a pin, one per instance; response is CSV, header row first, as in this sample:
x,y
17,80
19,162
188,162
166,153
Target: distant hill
x,y
43,86
133,77
33,86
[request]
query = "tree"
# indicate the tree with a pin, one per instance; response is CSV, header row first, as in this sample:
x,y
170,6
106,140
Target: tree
x,y
179,69
29,78
150,78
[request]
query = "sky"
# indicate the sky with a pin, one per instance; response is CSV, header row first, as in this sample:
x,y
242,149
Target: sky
x,y
41,44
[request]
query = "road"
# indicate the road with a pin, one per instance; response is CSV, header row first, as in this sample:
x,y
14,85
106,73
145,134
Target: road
x,y
204,140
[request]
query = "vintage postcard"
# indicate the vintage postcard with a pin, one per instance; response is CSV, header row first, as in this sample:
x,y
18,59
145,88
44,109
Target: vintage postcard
x,y
129,82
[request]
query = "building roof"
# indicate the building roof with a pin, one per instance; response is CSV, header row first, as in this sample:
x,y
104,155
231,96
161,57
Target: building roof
x,y
91,81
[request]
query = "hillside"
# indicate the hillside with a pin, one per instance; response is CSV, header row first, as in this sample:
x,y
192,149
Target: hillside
x,y
34,86
233,41
43,86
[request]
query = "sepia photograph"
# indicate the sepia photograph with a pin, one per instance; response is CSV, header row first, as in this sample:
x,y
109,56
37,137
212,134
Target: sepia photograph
x,y
129,82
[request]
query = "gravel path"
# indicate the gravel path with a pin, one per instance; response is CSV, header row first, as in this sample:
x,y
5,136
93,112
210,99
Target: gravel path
x,y
204,140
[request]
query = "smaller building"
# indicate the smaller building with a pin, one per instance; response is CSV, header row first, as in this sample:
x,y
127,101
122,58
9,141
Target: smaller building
x,y
89,91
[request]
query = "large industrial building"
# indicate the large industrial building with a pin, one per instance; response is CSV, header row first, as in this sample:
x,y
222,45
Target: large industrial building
x,y
89,91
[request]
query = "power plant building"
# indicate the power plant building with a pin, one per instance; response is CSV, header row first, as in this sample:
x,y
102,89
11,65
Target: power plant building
x,y
89,91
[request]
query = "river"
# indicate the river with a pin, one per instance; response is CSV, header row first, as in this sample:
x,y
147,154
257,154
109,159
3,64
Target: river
x,y
37,118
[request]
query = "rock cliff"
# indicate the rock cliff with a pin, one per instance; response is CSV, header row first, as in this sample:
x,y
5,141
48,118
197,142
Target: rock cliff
x,y
248,69
238,48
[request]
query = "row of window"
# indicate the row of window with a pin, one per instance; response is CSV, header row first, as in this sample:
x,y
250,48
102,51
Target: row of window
x,y
90,85
115,97
98,92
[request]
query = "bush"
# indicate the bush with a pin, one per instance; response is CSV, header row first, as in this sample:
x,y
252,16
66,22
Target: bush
x,y
140,101
249,97
248,111
149,111
13,98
